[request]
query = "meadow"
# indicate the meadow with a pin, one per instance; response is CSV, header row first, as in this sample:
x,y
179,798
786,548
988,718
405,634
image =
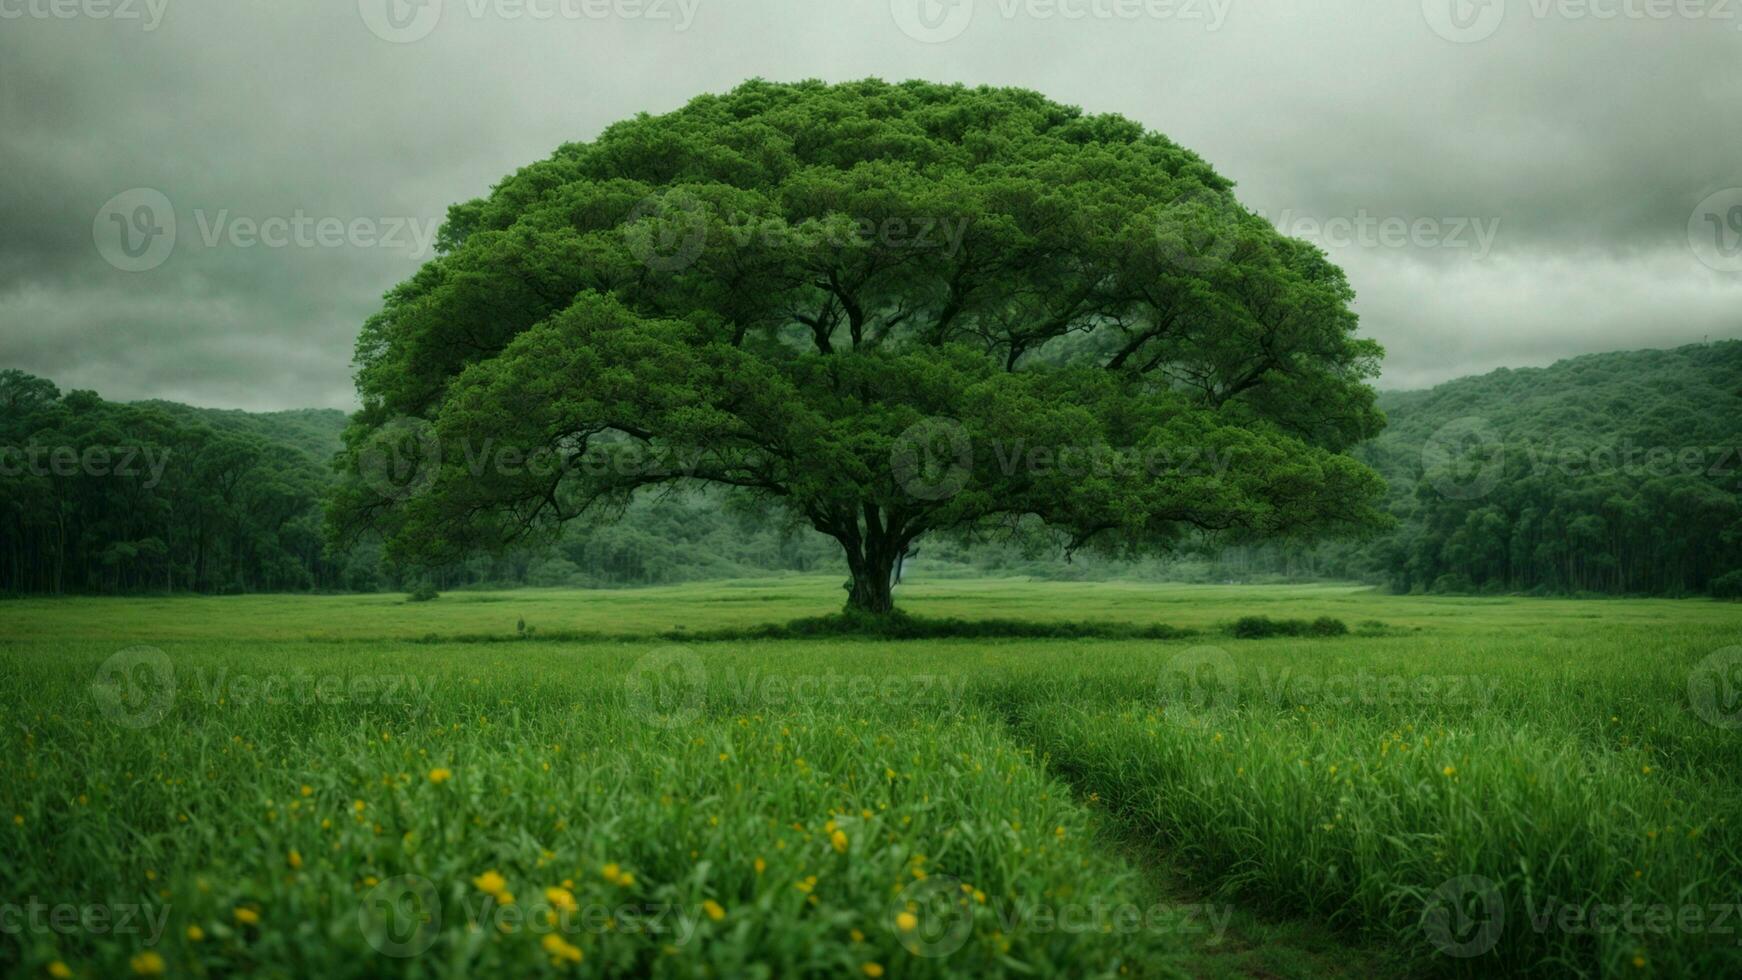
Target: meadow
x,y
558,782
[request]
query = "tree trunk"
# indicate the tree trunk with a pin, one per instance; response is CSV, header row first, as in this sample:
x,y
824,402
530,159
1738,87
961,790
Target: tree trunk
x,y
872,549
869,591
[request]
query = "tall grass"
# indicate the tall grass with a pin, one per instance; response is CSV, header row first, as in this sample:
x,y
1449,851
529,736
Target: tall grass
x,y
1591,788
1545,751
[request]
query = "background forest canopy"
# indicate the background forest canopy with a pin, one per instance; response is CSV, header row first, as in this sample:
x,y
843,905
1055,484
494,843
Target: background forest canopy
x,y
1611,473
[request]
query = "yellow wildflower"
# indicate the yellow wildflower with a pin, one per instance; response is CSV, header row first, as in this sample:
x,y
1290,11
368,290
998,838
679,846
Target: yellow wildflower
x,y
561,898
492,883
147,964
560,949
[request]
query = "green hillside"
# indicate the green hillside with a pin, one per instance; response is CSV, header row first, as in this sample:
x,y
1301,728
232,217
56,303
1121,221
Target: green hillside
x,y
315,431
1615,473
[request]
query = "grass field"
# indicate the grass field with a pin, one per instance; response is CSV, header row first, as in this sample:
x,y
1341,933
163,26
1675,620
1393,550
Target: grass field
x,y
357,786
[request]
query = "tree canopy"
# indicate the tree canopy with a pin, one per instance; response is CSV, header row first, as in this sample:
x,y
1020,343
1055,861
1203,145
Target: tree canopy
x,y
887,310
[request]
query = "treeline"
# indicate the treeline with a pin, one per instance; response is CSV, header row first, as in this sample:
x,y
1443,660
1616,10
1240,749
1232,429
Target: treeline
x,y
108,497
1615,474
663,540
1611,473
1545,533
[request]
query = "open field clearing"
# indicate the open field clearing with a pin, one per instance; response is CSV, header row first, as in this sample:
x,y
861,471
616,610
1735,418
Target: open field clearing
x,y
640,613
309,786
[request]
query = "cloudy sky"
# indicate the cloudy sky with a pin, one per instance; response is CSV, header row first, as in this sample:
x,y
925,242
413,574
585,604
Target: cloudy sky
x,y
1507,182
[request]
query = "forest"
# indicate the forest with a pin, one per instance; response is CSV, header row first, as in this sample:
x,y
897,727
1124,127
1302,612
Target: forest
x,y
105,497
1611,473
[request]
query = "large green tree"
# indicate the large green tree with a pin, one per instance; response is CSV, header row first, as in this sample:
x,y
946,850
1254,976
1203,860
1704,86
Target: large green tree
x,y
888,310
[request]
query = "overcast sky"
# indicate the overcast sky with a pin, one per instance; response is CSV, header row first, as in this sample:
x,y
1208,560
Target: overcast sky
x,y
1506,183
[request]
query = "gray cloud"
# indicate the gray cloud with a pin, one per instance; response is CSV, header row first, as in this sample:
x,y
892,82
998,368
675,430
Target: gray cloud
x,y
1585,144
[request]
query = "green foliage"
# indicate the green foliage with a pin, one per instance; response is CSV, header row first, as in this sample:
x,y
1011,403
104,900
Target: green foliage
x,y
898,625
220,501
1256,627
1611,473
1728,585
768,291
98,496
1327,626
679,537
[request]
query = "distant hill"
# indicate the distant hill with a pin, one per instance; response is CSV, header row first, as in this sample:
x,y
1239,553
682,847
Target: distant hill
x,y
316,431
1650,397
1614,472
